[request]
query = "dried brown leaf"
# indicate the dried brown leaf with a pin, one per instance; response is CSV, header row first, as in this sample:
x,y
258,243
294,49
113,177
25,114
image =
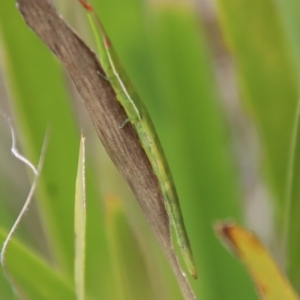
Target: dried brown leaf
x,y
122,145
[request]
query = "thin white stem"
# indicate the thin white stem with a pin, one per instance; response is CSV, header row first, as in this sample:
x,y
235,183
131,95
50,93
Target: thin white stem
x,y
16,153
37,172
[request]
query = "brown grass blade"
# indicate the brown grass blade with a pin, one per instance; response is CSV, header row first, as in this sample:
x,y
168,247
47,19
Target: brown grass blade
x,y
107,115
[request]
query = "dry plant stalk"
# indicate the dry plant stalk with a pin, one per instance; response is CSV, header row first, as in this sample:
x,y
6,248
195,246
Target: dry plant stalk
x,y
122,144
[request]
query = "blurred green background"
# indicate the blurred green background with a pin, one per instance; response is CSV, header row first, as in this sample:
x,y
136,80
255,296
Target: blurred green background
x,y
220,80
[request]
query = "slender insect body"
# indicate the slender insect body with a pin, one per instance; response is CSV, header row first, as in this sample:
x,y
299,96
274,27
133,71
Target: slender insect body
x,y
123,93
140,119
151,144
160,167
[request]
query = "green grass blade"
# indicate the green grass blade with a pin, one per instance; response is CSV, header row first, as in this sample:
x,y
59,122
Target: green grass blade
x,y
263,57
135,52
293,205
32,277
80,225
128,44
98,270
129,36
39,100
165,54
196,146
291,13
98,267
130,273
6,289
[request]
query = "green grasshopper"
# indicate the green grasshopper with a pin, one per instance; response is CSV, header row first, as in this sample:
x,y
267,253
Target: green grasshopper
x,y
140,119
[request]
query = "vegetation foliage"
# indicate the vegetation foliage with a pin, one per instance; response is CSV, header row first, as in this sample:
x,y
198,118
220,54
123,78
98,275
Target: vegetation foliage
x,y
221,85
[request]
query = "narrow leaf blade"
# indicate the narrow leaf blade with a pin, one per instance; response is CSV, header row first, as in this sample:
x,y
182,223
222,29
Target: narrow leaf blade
x,y
130,272
270,281
107,116
267,73
32,277
80,224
